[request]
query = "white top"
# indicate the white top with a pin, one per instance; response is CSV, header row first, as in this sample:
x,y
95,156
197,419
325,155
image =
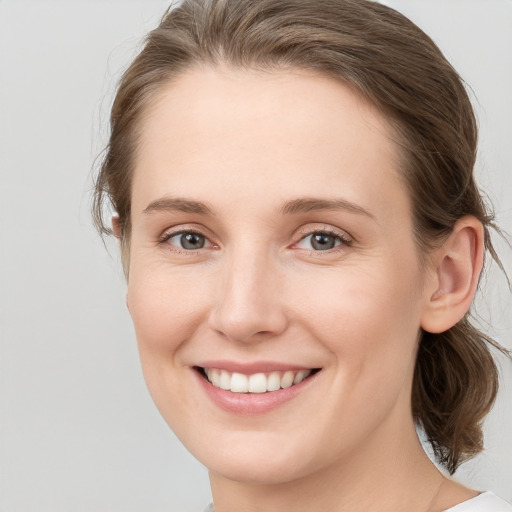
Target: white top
x,y
485,502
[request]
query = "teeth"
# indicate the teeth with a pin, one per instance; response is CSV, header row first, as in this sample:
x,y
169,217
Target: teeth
x,y
287,379
256,383
274,381
225,380
300,376
215,377
239,383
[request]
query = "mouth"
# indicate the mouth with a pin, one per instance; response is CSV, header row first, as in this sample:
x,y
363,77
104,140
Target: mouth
x,y
256,383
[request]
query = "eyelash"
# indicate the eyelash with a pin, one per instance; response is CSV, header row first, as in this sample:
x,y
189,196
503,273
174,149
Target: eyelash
x,y
164,239
344,240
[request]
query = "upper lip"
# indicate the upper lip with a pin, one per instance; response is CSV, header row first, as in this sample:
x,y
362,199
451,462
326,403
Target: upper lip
x,y
252,368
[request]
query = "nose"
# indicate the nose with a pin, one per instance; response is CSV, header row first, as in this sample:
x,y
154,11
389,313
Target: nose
x,y
249,305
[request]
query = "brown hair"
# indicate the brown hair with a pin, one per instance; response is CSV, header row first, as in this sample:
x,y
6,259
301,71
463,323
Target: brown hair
x,y
394,65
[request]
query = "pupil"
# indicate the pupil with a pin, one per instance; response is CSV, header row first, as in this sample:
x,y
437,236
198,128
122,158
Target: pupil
x,y
322,242
192,241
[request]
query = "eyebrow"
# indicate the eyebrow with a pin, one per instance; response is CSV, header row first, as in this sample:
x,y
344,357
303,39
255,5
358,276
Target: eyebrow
x,y
178,204
312,204
295,206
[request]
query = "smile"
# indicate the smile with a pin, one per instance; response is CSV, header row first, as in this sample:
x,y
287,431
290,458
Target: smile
x,y
255,383
255,388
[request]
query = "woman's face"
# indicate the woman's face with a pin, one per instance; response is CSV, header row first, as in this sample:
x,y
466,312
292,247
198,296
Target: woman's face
x,y
272,241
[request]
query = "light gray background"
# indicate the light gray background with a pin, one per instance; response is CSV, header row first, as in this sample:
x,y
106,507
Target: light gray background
x,y
78,431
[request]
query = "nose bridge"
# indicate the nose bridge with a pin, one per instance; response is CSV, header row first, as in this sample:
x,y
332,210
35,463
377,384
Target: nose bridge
x,y
248,304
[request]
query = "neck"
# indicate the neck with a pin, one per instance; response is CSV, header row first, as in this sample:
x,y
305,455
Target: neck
x,y
389,473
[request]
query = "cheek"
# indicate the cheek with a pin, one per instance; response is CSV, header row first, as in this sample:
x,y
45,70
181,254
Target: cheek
x,y
369,322
359,305
166,309
165,306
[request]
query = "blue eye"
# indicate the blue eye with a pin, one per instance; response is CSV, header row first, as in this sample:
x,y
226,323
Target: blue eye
x,y
187,240
321,241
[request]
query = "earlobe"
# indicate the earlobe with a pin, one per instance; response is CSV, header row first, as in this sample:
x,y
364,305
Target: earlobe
x,y
457,267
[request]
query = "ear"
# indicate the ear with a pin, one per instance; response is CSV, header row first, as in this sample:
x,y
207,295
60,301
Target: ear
x,y
116,227
453,280
118,233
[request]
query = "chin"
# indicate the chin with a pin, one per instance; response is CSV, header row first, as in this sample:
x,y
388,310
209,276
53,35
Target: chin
x,y
256,461
258,472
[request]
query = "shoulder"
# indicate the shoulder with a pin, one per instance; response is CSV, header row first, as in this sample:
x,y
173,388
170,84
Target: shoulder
x,y
484,502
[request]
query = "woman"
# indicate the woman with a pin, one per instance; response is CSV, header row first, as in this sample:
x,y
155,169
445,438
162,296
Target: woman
x,y
302,238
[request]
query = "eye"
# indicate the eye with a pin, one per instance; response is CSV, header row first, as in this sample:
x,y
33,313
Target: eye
x,y
321,241
186,240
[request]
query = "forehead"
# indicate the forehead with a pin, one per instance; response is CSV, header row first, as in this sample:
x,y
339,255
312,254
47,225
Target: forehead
x,y
282,130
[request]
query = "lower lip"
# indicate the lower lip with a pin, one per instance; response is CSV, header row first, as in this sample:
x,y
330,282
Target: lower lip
x,y
250,404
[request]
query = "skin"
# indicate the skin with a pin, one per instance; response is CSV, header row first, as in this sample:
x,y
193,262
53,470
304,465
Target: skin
x,y
244,144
